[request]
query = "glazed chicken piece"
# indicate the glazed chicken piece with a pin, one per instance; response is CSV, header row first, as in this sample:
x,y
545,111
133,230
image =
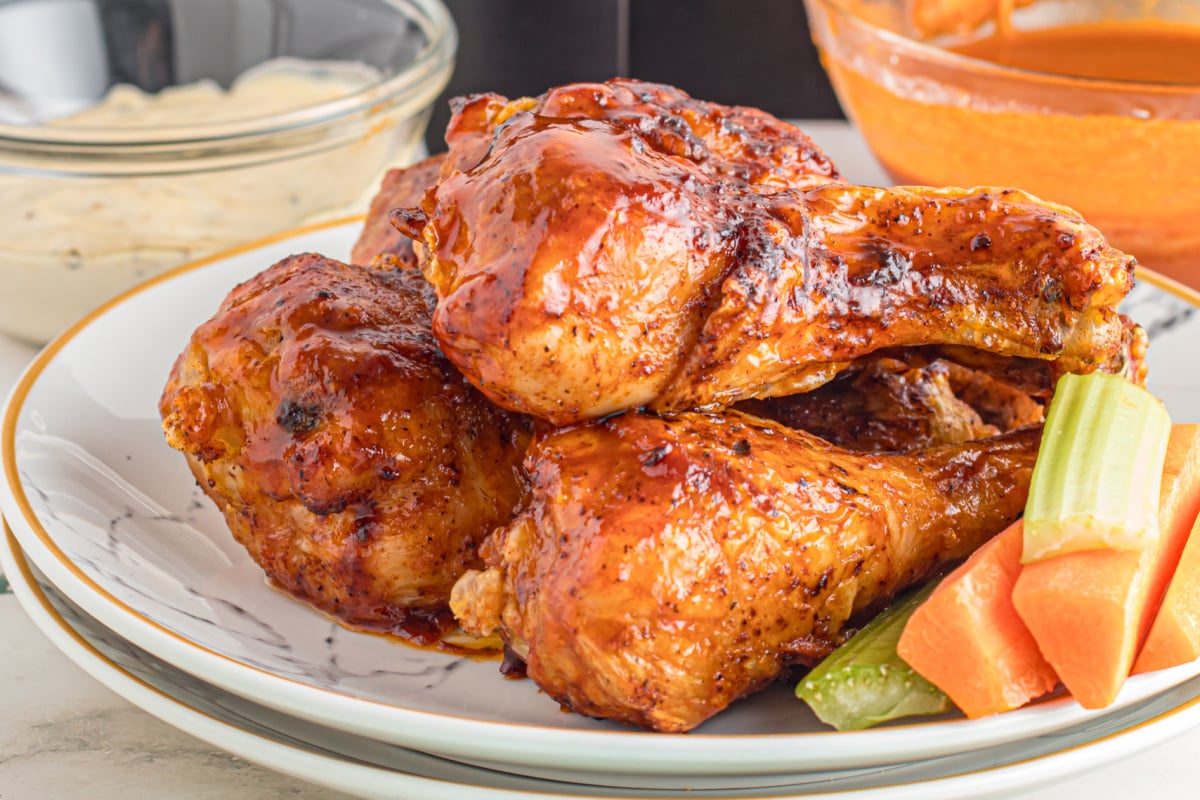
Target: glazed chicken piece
x,y
591,262
663,568
904,401
356,466
379,244
1037,377
911,398
727,143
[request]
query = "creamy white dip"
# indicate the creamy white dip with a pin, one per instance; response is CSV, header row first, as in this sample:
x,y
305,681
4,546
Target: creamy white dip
x,y
69,243
273,87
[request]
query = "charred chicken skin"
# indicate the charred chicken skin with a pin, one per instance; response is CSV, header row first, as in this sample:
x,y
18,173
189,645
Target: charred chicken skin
x,y
606,247
605,250
727,143
904,401
910,398
356,466
664,568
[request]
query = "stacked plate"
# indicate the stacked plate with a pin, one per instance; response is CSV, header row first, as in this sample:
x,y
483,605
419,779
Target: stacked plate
x,y
120,559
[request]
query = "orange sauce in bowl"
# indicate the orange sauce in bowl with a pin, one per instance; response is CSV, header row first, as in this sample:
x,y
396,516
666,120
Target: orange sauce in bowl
x,y
1155,52
1126,157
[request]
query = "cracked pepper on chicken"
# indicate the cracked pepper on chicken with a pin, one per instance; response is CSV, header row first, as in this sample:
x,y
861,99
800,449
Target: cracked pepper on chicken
x,y
610,259
618,246
355,465
664,568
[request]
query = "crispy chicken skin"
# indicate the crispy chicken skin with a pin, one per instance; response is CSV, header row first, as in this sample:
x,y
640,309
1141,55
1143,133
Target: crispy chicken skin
x,y
904,401
356,466
575,386
379,243
909,398
605,251
728,143
664,568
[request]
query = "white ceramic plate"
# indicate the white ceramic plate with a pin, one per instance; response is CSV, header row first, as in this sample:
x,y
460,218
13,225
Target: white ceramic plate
x,y
115,520
373,769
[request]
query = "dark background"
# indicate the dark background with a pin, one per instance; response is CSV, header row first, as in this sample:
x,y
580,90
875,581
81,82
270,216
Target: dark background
x,y
746,52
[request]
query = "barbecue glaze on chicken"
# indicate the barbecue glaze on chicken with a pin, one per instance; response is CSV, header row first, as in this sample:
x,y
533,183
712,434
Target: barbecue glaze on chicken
x,y
379,244
356,466
665,283
616,246
663,568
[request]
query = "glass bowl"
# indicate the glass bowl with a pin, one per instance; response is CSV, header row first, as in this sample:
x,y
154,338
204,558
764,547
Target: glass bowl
x,y
1125,154
248,117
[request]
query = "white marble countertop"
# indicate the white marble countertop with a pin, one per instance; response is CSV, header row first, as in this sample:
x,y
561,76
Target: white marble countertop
x,y
64,735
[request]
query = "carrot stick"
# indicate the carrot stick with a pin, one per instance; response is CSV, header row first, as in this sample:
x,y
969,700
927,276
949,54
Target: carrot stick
x,y
1173,635
1089,610
968,640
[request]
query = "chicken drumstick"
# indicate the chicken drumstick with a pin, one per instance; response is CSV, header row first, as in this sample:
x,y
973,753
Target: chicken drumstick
x,y
664,568
587,263
355,465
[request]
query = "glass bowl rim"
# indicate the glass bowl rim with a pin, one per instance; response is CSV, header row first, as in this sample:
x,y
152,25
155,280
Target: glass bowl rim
x,y
436,57
949,57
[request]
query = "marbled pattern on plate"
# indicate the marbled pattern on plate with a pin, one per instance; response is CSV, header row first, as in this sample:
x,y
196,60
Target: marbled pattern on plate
x,y
377,770
63,736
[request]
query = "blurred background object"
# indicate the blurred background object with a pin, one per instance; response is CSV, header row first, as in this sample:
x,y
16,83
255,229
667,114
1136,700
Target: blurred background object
x,y
36,82
139,36
747,52
136,135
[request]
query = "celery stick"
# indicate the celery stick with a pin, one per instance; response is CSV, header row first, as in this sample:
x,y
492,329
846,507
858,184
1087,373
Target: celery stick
x,y
1099,469
864,682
